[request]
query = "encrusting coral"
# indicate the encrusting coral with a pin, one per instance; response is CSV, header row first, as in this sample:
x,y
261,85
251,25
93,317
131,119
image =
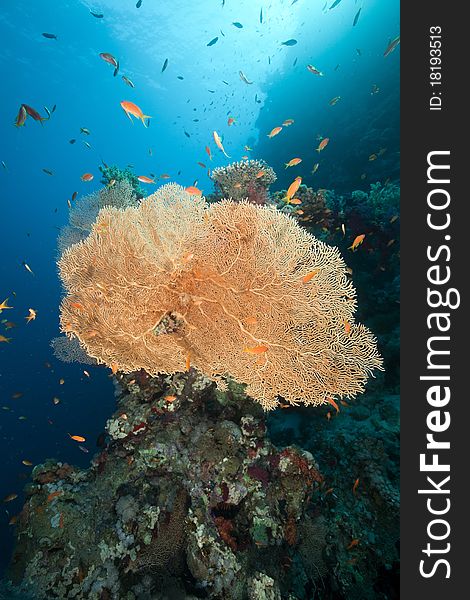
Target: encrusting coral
x,y
246,179
229,288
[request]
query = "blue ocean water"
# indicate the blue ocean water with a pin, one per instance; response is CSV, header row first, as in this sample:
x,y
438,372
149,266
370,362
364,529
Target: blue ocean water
x,y
193,96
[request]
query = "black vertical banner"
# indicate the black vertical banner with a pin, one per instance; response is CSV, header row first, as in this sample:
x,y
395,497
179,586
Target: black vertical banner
x,y
435,416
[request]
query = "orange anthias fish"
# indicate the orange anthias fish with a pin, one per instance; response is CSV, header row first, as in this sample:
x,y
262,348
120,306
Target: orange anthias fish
x,y
4,305
256,350
145,179
109,58
347,327
294,186
274,132
132,109
333,404
21,116
288,122
34,113
356,483
357,241
32,315
309,276
218,143
392,45
77,438
259,174
293,162
4,339
323,144
87,177
208,152
194,191
230,121
354,543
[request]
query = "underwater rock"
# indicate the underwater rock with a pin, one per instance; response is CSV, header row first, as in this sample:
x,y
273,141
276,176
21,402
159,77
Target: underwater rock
x,y
191,495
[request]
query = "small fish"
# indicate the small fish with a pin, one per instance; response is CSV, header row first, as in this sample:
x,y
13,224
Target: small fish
x,y
201,164
390,243
4,305
259,174
127,81
180,77
213,41
274,132
116,70
144,179
87,177
48,172
358,51
165,64
244,78
356,18
343,229
164,176
56,400
315,168
10,497
294,186
347,327
97,15
392,45
83,449
34,113
13,520
169,399
132,109
86,373
27,463
375,89
247,148
4,339
309,276
357,241
237,25
208,152
74,195
314,70
354,543
230,121
27,267
85,130
72,141
381,152
335,3
336,68
334,100
356,483
188,361
139,4
187,134
392,220
50,36
53,495
32,315
373,157
333,404
109,58
293,162
61,381
77,438
218,143
261,16
323,144
4,165
290,42
17,395
9,324
256,350
194,191
288,122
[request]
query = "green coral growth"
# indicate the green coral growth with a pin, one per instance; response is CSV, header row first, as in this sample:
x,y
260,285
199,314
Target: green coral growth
x,y
115,174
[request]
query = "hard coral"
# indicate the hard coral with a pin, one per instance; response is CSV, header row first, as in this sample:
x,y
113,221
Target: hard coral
x,y
251,294
247,179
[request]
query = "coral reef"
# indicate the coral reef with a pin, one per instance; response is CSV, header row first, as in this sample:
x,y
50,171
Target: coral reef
x,y
312,210
349,543
192,498
243,289
112,175
244,180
